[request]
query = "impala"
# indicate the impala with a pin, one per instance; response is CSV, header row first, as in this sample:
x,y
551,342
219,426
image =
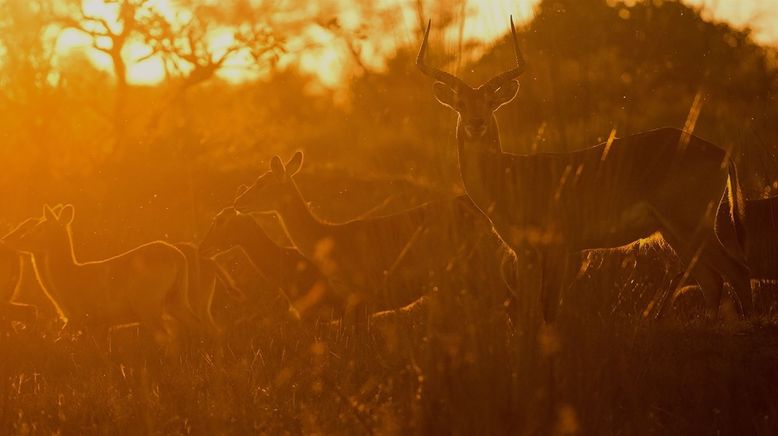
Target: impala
x,y
146,285
12,266
761,238
382,262
758,237
282,267
757,240
205,275
664,180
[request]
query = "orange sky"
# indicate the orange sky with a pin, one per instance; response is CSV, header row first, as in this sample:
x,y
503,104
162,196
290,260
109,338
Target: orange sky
x,y
487,20
761,15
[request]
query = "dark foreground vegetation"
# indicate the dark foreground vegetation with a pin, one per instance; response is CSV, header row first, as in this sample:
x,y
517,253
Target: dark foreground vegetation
x,y
455,368
143,162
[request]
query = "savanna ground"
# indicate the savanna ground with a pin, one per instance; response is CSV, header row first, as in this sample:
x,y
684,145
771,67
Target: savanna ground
x,y
157,161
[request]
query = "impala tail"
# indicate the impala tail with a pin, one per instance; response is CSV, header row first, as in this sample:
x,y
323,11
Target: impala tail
x,y
730,218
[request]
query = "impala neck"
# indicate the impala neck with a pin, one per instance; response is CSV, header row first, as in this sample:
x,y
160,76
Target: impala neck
x,y
302,228
480,164
255,241
62,257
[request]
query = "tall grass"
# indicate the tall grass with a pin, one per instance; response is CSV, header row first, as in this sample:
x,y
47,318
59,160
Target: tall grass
x,y
462,365
466,363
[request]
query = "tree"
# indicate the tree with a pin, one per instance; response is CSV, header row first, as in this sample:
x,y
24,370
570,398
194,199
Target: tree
x,y
110,35
26,52
187,47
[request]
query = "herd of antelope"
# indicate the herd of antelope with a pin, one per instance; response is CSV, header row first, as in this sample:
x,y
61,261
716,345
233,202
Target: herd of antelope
x,y
664,181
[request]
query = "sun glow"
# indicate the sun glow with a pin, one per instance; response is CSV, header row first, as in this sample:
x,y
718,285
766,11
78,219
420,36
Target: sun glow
x,y
319,52
140,70
759,15
329,59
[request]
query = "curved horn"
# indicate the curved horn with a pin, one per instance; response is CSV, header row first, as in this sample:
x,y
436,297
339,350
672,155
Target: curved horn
x,y
441,76
497,81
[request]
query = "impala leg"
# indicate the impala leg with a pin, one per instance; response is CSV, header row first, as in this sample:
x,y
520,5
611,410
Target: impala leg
x,y
736,274
187,325
100,335
720,264
357,317
658,308
163,330
509,276
692,256
554,265
712,285
122,339
710,266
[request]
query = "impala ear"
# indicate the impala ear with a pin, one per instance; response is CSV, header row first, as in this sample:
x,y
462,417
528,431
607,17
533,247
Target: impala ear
x,y
48,213
294,164
445,95
66,216
506,93
277,167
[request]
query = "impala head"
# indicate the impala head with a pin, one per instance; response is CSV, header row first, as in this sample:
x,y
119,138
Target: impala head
x,y
475,106
272,190
227,230
49,233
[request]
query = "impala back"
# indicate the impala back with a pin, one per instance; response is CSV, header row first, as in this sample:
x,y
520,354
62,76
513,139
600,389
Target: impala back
x,y
616,190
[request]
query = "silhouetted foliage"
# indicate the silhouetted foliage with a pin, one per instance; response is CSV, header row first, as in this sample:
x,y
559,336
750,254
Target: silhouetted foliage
x,y
157,161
